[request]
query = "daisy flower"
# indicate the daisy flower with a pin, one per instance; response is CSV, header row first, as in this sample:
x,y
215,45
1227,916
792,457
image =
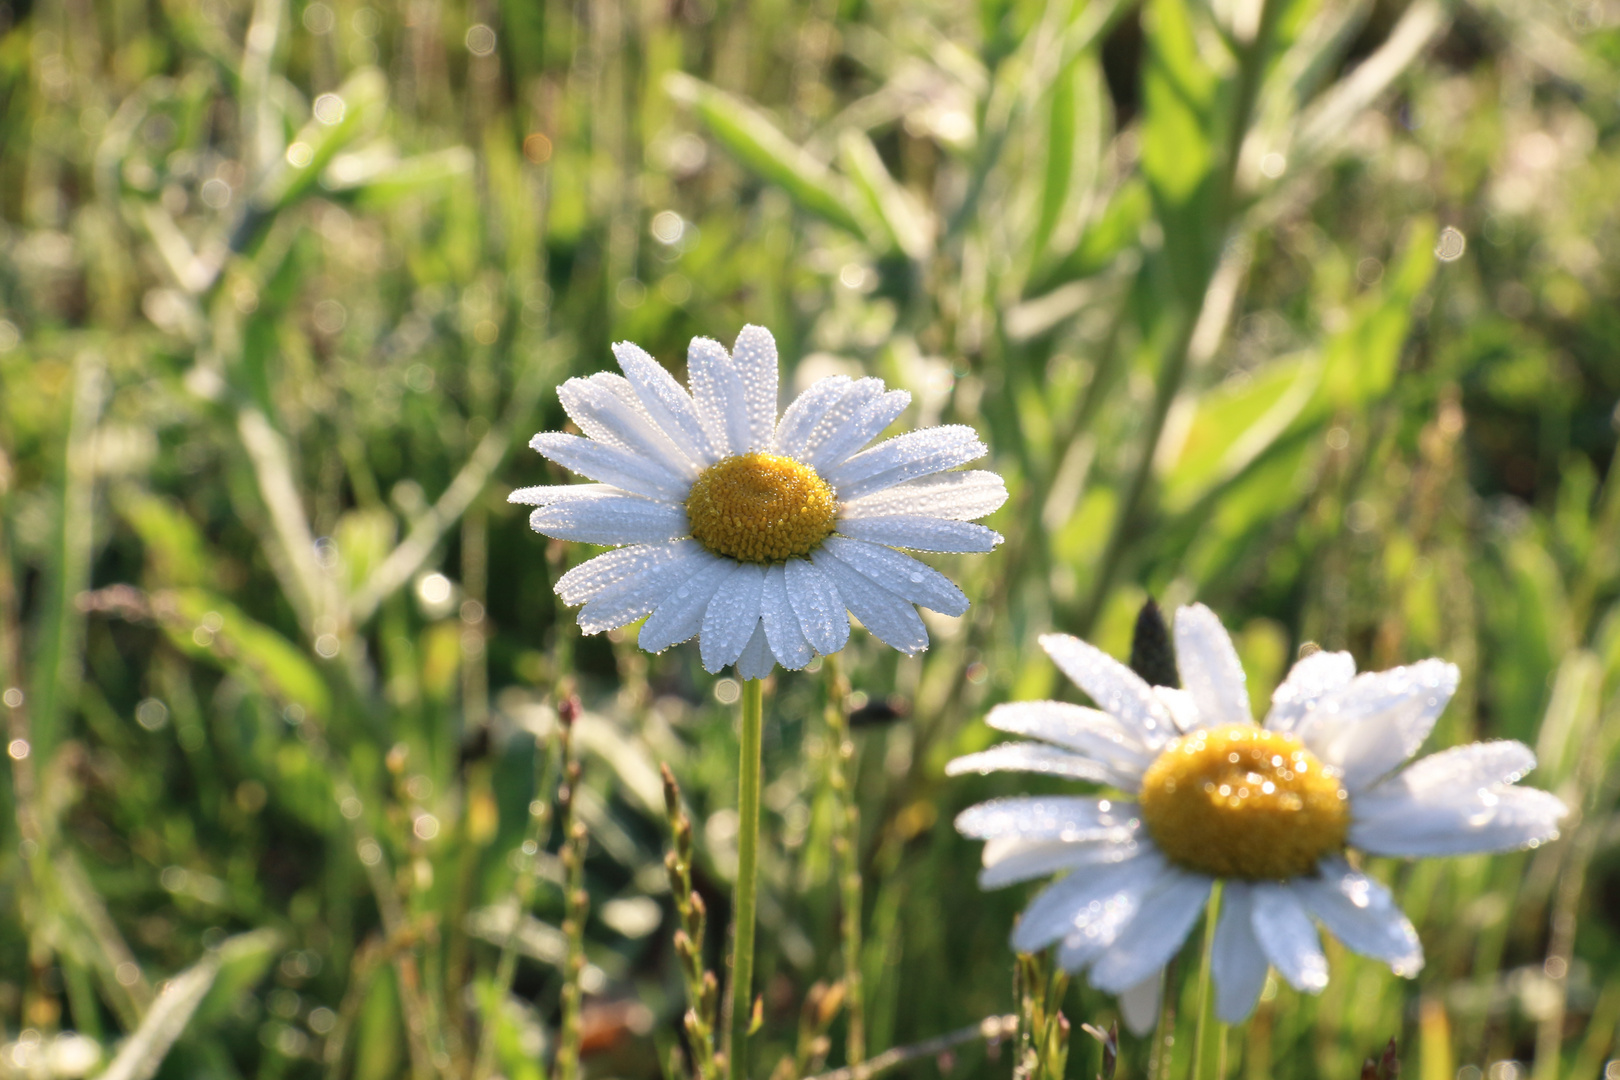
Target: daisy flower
x,y
751,532
1271,810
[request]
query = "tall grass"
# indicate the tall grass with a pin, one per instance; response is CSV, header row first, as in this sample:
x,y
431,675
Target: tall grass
x,y
1300,307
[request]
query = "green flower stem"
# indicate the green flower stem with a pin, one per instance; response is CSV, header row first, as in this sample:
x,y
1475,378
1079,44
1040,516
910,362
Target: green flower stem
x,y
742,939
846,845
1209,1040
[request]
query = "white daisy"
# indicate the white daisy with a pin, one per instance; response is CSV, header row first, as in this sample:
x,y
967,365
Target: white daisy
x,y
754,533
1270,809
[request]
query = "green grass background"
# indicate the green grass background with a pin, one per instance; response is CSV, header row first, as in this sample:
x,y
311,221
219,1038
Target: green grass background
x,y
1302,308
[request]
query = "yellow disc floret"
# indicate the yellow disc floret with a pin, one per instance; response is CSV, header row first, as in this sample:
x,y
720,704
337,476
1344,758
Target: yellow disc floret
x,y
761,508
1243,802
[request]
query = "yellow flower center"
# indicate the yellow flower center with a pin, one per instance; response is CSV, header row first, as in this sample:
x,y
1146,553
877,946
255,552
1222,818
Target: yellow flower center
x,y
1243,802
761,508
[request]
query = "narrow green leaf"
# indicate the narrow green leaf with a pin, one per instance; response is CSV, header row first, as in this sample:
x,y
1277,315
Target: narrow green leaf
x,y
336,125
762,147
902,224
206,625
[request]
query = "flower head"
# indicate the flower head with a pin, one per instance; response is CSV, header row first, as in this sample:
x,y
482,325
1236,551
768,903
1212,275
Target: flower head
x,y
751,532
1270,809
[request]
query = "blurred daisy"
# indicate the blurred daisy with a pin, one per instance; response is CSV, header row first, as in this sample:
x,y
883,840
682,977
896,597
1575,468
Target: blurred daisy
x,y
756,534
1269,809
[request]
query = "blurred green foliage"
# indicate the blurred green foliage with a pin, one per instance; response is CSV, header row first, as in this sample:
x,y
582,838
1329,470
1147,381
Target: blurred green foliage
x,y
1304,308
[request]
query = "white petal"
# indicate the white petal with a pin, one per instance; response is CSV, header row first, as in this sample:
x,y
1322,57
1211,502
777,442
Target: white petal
x,y
732,616
905,457
1378,720
781,624
953,496
820,609
721,396
1182,707
680,616
605,408
1390,821
1049,817
1035,758
1288,938
921,533
1363,915
826,414
590,577
1103,920
1308,681
593,518
805,412
886,617
1013,859
1084,898
1139,1005
637,595
1210,669
1463,768
610,465
756,660
1147,942
670,406
867,424
753,355
1087,731
900,574
1238,964
1117,690
546,494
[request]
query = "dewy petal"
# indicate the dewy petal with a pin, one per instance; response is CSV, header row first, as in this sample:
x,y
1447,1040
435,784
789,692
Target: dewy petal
x,y
1239,964
1308,682
921,533
1378,719
1086,731
756,660
598,518
1419,815
1210,669
1035,758
1287,937
829,415
816,602
1070,818
753,355
680,616
867,424
805,412
732,616
605,408
670,406
1362,914
610,465
780,622
1117,690
1139,1005
953,496
546,494
589,578
1082,899
900,574
637,595
1010,859
1147,942
887,617
905,457
1182,707
721,396
1462,768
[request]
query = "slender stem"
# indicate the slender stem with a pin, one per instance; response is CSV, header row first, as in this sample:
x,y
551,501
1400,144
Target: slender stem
x,y
992,1029
742,909
846,847
1210,1037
